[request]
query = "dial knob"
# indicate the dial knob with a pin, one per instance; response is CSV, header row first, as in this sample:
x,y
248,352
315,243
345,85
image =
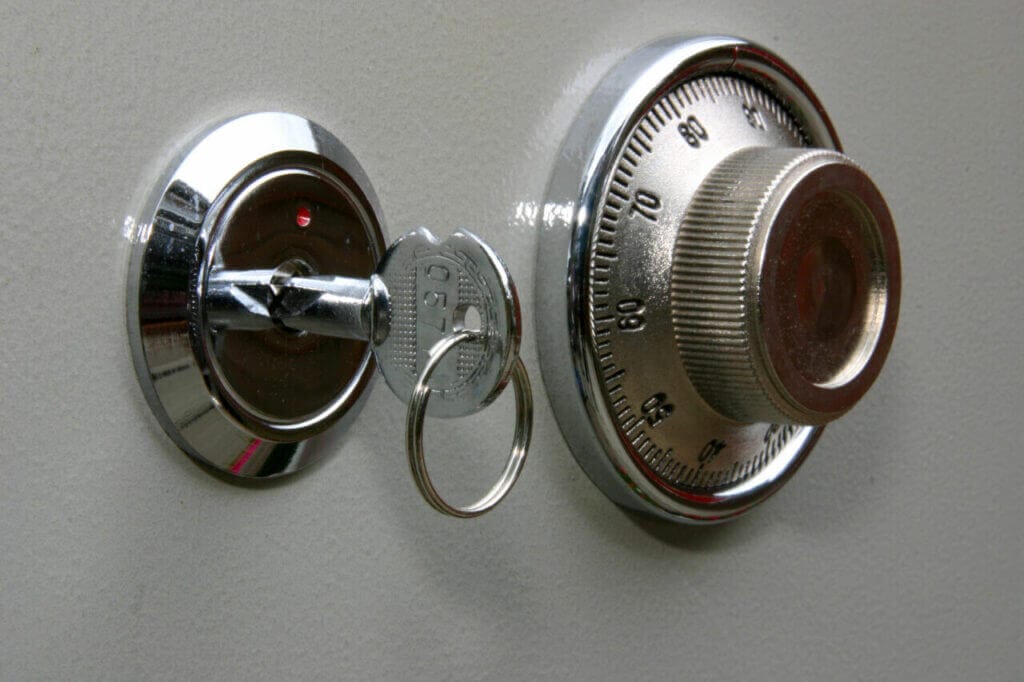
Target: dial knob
x,y
715,279
785,280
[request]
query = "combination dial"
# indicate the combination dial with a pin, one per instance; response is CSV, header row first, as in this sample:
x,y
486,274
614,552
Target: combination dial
x,y
733,279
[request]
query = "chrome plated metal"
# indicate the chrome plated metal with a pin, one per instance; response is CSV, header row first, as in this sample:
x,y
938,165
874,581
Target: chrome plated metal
x,y
344,307
414,431
245,403
260,294
618,301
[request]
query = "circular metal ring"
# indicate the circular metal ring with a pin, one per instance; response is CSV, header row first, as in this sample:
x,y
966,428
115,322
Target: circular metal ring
x,y
414,433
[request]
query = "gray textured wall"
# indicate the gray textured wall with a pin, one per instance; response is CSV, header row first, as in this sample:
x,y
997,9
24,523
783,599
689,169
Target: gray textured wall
x,y
896,553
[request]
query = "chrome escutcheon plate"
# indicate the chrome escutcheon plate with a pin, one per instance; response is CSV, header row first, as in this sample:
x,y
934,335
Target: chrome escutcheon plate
x,y
253,192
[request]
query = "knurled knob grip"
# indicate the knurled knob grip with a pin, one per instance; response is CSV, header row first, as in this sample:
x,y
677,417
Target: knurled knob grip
x,y
785,285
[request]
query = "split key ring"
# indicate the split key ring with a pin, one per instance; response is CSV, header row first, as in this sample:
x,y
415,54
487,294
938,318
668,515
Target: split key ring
x,y
414,433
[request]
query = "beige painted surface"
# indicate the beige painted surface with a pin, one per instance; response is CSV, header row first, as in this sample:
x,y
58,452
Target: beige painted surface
x,y
896,552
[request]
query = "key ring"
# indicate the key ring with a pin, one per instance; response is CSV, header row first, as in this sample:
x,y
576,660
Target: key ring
x,y
414,433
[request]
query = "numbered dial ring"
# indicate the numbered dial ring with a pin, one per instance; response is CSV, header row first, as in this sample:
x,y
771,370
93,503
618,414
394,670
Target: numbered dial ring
x,y
636,407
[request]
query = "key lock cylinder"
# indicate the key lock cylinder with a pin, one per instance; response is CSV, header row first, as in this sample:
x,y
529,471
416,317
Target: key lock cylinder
x,y
716,280
262,297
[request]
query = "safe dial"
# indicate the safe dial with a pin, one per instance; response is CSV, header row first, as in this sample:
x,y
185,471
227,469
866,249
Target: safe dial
x,y
733,279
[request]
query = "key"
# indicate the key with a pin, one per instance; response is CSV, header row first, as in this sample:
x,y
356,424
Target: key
x,y
423,291
442,318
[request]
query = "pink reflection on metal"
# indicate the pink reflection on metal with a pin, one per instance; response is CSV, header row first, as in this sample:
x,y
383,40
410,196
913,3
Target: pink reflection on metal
x,y
236,467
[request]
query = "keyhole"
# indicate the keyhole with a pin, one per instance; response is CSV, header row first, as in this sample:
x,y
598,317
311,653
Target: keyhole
x,y
467,318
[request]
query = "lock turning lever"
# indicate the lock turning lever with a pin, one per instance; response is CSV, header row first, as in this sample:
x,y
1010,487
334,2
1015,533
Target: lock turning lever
x,y
342,307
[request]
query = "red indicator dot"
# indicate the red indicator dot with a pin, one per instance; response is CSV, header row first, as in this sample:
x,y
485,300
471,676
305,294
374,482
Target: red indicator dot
x,y
303,217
